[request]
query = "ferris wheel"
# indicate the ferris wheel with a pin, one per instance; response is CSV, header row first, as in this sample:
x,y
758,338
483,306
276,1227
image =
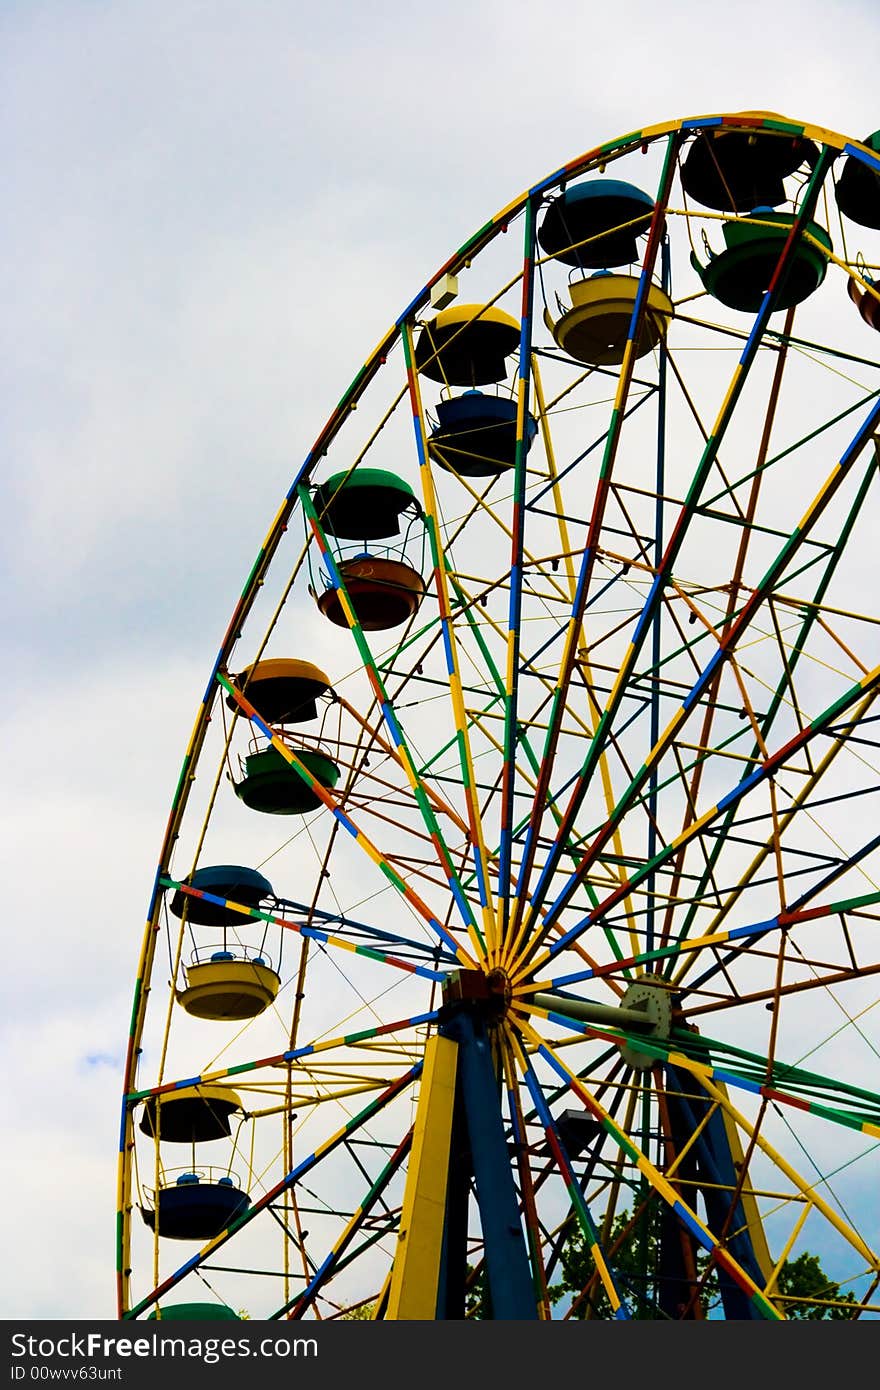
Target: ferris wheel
x,y
520,894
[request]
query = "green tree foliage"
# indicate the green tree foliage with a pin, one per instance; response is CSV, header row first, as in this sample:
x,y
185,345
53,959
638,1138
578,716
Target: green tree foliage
x,y
478,1304
804,1278
814,1296
634,1262
359,1312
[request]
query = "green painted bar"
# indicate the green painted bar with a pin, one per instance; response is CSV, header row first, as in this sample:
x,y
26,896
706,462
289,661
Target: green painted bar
x,y
807,439
253,572
787,127
181,783
661,1049
138,988
793,661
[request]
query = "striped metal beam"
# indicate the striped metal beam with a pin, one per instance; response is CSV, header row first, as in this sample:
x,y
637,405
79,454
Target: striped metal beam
x,y
523,918
665,1051
313,933
781,922
288,1181
514,620
798,647
299,768
578,1203
655,1178
392,723
295,1054
765,769
450,644
652,604
298,1306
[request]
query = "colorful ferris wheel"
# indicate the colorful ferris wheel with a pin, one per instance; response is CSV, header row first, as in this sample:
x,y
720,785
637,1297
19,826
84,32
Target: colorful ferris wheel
x,y
515,940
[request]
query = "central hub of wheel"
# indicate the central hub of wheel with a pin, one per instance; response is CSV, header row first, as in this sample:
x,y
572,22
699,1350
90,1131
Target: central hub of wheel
x,y
650,996
486,994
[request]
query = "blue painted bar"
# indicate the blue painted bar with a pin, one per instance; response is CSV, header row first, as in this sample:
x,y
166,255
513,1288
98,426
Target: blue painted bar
x,y
507,1262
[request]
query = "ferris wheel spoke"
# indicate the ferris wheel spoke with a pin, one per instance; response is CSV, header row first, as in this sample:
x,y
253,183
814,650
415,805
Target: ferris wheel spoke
x,y
693,946
450,647
361,932
748,518
527,1183
522,921
798,912
727,804
667,1051
298,768
810,619
514,622
674,544
279,1059
439,803
533,782
576,1197
288,1181
298,1306
583,661
615,1085
655,1178
807,1190
800,804
392,723
723,651
760,773
766,589
313,933
530,775
721,1002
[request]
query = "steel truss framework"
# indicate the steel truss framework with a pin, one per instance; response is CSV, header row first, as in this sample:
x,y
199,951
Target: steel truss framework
x,y
630,735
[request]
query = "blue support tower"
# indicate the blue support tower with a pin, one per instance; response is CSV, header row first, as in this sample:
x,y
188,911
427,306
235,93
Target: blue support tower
x,y
479,1151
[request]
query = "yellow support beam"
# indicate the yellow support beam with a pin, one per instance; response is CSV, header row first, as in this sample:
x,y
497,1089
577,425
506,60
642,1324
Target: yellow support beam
x,y
750,1208
416,1273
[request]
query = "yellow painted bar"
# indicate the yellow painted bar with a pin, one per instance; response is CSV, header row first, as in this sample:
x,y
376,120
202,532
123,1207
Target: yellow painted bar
x,y
432,512
416,1273
660,1184
357,835
749,1205
808,1190
788,1246
379,1306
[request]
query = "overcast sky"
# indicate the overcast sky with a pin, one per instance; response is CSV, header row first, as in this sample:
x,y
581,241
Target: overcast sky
x,y
213,209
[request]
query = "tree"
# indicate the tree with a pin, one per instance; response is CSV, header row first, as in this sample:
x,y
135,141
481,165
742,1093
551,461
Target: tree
x,y
358,1312
632,1251
635,1264
804,1278
478,1303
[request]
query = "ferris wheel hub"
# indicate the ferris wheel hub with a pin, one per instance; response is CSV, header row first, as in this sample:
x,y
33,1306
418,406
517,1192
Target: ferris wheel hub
x,y
645,1009
488,995
651,996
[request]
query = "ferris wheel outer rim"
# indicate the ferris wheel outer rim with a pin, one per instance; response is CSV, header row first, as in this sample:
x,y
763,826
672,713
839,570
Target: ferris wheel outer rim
x,y
498,224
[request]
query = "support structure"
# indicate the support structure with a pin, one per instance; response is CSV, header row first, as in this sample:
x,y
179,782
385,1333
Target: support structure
x,y
460,1146
713,1165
